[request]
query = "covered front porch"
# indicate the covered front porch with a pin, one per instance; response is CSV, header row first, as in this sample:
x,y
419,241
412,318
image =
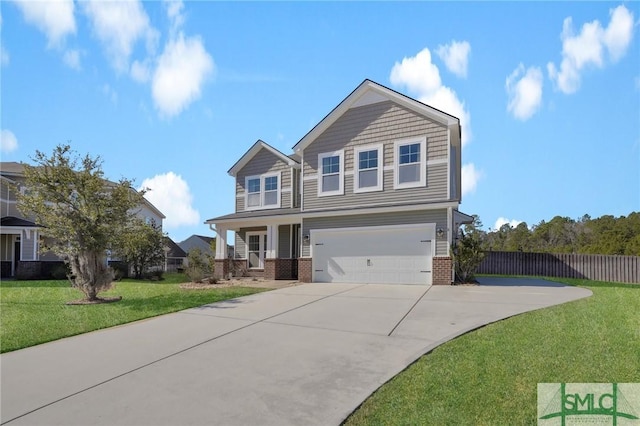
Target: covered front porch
x,y
19,248
267,246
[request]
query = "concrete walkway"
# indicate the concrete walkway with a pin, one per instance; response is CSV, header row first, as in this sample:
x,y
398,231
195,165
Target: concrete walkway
x,y
301,355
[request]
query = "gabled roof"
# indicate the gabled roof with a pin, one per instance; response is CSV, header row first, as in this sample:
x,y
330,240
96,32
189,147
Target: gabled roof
x,y
233,171
174,249
12,168
369,92
8,221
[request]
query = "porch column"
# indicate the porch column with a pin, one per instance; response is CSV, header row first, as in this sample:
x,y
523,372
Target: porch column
x,y
221,261
270,260
221,243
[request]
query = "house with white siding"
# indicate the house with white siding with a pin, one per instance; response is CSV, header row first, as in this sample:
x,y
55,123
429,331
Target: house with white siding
x,y
369,195
21,238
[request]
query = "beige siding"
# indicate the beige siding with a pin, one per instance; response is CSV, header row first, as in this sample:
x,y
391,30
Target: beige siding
x,y
262,163
439,217
381,123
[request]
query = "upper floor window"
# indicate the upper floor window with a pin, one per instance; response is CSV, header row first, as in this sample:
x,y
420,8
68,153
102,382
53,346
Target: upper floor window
x,y
262,191
331,173
410,163
368,168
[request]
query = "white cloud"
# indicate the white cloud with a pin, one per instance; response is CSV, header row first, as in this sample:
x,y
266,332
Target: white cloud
x,y
504,221
4,54
421,77
182,70
587,48
470,178
172,196
8,141
524,89
53,17
119,25
175,15
110,93
72,59
455,56
140,71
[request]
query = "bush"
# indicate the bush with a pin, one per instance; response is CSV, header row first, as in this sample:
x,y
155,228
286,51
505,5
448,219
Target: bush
x,y
60,272
467,256
155,275
120,270
198,265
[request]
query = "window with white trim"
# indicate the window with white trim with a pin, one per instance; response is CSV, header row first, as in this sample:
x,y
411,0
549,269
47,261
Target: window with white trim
x,y
368,168
331,173
262,192
410,163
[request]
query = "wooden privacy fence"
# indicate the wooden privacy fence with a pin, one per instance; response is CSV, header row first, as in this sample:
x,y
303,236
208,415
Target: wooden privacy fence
x,y
623,269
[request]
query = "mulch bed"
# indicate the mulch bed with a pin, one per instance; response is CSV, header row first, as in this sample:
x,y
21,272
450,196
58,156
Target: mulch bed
x,y
98,301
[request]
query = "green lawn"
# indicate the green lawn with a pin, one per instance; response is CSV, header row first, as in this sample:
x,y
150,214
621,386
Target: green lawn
x,y
33,312
490,376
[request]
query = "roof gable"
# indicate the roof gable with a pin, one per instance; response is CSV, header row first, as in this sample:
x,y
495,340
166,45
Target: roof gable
x,y
257,147
369,92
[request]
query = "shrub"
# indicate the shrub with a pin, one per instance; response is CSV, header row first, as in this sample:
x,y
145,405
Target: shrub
x,y
467,256
198,265
60,272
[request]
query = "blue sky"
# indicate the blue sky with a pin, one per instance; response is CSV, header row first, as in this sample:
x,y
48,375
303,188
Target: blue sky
x,y
548,93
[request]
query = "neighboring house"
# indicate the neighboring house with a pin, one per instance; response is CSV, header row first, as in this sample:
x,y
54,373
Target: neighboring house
x,y
204,244
20,237
370,195
175,256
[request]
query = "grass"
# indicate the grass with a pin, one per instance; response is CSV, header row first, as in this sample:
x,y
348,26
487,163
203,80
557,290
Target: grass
x,y
34,312
490,376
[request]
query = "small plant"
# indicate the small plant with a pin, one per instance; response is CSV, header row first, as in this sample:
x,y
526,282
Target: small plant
x,y
212,280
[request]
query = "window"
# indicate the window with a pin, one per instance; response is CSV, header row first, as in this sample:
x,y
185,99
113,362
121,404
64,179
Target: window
x,y
368,168
262,191
331,173
270,191
410,163
253,192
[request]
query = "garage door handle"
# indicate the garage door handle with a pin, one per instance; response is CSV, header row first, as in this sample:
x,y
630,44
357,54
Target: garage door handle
x,y
425,271
425,241
319,244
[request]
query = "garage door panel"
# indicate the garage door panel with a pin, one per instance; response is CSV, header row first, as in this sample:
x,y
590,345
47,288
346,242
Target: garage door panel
x,y
373,256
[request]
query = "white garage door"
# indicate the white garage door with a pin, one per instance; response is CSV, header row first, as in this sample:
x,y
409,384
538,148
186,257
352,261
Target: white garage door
x,y
398,254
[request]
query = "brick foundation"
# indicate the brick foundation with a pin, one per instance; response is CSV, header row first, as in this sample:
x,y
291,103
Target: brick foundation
x,y
270,269
442,271
28,270
304,270
222,268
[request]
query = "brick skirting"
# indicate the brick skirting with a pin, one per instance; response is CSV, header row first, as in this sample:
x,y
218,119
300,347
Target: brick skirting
x,y
304,270
442,271
222,268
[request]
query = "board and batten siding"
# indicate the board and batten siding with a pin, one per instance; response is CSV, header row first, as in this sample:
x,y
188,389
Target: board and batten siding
x,y
284,241
439,217
264,162
381,123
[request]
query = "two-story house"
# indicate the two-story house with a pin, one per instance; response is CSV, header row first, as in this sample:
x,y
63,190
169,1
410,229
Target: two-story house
x,y
369,195
21,238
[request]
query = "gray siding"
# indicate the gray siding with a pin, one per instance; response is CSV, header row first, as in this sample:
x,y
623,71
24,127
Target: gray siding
x,y
439,217
380,123
284,241
241,240
27,245
264,162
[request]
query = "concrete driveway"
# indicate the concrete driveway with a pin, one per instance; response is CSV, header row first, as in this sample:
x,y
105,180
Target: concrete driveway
x,y
301,355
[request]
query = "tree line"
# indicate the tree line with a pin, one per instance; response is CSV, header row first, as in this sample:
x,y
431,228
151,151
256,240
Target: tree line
x,y
603,235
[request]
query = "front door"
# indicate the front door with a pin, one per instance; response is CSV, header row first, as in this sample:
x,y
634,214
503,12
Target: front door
x,y
256,250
